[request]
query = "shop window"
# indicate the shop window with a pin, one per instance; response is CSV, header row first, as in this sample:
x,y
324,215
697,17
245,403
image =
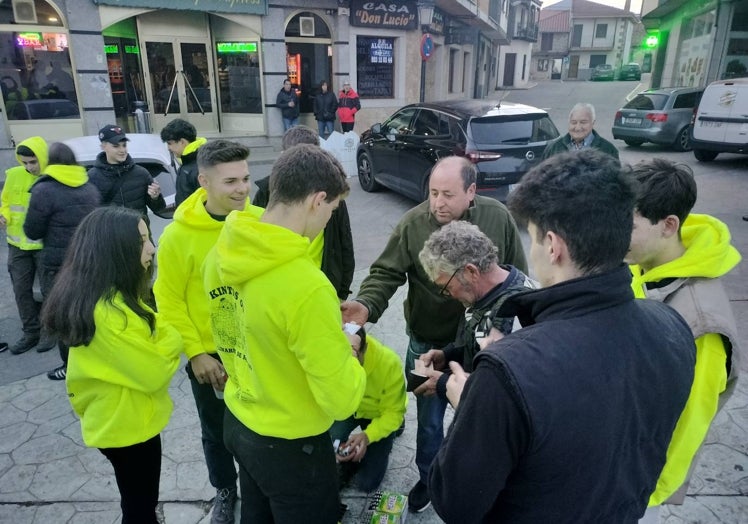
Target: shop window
x,y
238,67
36,75
375,67
543,64
125,77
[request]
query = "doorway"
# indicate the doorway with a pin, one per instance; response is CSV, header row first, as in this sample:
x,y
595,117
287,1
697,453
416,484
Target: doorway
x,y
573,66
509,65
308,57
180,79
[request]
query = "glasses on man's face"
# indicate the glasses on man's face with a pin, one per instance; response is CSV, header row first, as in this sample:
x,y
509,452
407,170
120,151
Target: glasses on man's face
x,y
444,291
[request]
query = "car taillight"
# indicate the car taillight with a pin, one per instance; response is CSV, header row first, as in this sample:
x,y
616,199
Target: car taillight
x,y
481,156
657,117
618,115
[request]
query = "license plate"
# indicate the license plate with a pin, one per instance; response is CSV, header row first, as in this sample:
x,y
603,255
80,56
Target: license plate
x,y
633,121
710,124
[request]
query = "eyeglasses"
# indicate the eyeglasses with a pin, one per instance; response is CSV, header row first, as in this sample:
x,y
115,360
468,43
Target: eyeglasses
x,y
444,291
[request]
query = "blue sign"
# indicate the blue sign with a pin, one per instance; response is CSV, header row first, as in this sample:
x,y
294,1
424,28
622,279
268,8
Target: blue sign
x,y
427,46
380,51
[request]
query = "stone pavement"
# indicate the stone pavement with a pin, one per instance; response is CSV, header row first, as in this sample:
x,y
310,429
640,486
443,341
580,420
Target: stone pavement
x,y
47,475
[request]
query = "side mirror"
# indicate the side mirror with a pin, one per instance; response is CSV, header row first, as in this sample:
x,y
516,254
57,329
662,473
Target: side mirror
x,y
376,128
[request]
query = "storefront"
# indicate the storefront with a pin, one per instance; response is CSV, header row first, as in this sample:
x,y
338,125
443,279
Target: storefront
x,y
204,67
38,87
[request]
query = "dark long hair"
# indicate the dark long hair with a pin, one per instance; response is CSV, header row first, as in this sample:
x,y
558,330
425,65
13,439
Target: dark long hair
x,y
103,258
61,154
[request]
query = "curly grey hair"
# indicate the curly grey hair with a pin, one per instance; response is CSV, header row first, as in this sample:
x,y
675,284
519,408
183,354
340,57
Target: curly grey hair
x,y
455,245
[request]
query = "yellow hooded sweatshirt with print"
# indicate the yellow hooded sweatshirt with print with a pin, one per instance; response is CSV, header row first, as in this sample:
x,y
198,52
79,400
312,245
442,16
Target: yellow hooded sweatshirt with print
x,y
708,255
16,195
179,286
276,319
118,384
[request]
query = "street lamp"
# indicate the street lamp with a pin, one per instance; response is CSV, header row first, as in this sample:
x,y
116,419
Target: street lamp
x,y
425,16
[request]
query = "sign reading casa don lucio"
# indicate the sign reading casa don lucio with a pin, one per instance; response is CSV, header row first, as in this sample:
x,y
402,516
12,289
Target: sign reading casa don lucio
x,y
393,14
250,7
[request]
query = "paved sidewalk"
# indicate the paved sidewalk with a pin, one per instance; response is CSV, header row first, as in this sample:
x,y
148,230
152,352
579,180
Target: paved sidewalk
x,y
47,475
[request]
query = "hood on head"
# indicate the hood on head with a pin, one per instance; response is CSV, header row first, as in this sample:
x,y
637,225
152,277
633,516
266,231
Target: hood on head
x,y
38,145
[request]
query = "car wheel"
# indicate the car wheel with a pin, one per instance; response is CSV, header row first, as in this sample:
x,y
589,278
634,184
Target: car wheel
x,y
366,173
704,156
683,140
633,143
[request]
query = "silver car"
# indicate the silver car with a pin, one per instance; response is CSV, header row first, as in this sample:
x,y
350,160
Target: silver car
x,y
660,116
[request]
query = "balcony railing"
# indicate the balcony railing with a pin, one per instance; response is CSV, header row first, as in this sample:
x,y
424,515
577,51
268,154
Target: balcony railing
x,y
529,33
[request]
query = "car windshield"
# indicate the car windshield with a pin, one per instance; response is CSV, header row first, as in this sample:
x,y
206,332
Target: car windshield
x,y
513,129
647,102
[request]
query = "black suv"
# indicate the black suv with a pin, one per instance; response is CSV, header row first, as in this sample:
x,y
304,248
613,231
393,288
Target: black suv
x,y
503,141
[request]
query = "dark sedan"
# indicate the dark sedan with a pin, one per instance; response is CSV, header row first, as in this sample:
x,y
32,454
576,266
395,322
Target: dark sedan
x,y
503,141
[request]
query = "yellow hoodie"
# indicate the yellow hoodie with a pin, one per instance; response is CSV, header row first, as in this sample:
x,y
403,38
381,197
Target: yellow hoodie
x,y
179,287
708,255
118,384
16,195
277,323
384,400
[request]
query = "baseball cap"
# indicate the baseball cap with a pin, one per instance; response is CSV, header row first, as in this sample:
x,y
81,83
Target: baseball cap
x,y
112,134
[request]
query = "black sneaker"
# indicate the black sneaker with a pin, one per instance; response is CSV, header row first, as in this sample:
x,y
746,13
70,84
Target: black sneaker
x,y
223,506
418,498
399,431
3,346
24,344
58,373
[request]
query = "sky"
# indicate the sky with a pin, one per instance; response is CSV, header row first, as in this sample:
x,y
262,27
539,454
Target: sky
x,y
635,4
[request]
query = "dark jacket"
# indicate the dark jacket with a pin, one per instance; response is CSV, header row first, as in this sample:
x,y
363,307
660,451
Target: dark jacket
x,y
282,100
478,321
187,173
348,105
568,419
60,200
563,144
124,184
338,261
325,105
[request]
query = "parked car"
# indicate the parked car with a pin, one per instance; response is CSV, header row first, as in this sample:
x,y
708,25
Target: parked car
x,y
603,72
662,116
502,140
45,108
146,150
630,71
720,122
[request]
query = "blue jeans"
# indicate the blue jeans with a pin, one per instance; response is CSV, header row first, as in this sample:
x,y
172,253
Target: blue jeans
x,y
284,481
325,127
430,431
288,123
210,410
374,464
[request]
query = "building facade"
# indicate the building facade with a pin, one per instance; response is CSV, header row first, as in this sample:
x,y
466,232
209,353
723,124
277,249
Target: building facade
x,y
596,34
700,41
68,67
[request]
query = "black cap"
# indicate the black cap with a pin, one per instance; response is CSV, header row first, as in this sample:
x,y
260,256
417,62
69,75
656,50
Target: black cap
x,y
112,134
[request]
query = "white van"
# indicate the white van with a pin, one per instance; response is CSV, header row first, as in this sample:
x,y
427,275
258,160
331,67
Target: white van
x,y
720,123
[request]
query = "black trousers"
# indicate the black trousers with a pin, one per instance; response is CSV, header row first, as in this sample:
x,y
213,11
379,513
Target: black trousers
x,y
138,472
284,481
347,126
47,277
22,266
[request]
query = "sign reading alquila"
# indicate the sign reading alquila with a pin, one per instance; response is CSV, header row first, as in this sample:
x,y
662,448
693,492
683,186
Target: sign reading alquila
x,y
390,15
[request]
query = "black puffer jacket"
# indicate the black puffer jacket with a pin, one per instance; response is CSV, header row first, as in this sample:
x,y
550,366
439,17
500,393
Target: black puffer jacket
x,y
124,184
325,105
59,201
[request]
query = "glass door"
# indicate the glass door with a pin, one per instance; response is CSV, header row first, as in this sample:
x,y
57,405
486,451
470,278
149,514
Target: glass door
x,y
181,84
